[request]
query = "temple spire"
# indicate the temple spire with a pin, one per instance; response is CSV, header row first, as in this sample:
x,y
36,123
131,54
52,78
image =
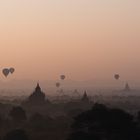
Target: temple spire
x,y
85,97
127,87
38,87
37,97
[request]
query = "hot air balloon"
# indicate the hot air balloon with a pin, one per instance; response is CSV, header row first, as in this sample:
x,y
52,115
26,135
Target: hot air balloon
x,y
62,77
117,76
12,70
57,85
5,72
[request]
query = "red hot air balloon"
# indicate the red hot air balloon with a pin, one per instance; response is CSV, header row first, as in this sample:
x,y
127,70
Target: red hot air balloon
x,y
117,76
5,72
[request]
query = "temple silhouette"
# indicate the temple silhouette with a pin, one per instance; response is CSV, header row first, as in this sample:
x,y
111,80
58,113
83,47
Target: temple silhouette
x,y
85,98
127,87
37,102
37,97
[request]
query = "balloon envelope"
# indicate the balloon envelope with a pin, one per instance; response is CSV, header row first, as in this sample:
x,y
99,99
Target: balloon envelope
x,y
116,76
62,77
5,72
12,70
58,85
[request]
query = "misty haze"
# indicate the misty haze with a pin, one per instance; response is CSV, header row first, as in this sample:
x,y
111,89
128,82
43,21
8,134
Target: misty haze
x,y
69,70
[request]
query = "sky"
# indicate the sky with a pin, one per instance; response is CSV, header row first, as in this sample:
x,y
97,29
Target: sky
x,y
83,39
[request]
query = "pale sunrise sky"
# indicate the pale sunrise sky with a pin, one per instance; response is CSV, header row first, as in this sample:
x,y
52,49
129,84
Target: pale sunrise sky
x,y
84,39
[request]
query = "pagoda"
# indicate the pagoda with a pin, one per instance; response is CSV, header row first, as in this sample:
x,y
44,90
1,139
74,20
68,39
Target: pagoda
x,y
127,87
37,97
85,98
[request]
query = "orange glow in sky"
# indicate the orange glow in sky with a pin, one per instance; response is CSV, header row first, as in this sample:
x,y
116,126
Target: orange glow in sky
x,y
84,39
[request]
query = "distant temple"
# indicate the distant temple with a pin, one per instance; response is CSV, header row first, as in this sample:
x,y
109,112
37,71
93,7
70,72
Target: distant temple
x,y
85,98
127,87
75,92
37,97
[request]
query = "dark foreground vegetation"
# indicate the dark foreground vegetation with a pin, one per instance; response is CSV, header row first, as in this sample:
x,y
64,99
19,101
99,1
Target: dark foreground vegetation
x,y
97,123
39,119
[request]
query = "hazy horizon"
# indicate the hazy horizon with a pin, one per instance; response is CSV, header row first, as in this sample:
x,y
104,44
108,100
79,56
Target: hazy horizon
x,y
69,69
81,39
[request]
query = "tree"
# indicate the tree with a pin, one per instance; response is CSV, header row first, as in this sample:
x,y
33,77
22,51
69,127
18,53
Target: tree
x,y
104,123
39,122
17,134
18,114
